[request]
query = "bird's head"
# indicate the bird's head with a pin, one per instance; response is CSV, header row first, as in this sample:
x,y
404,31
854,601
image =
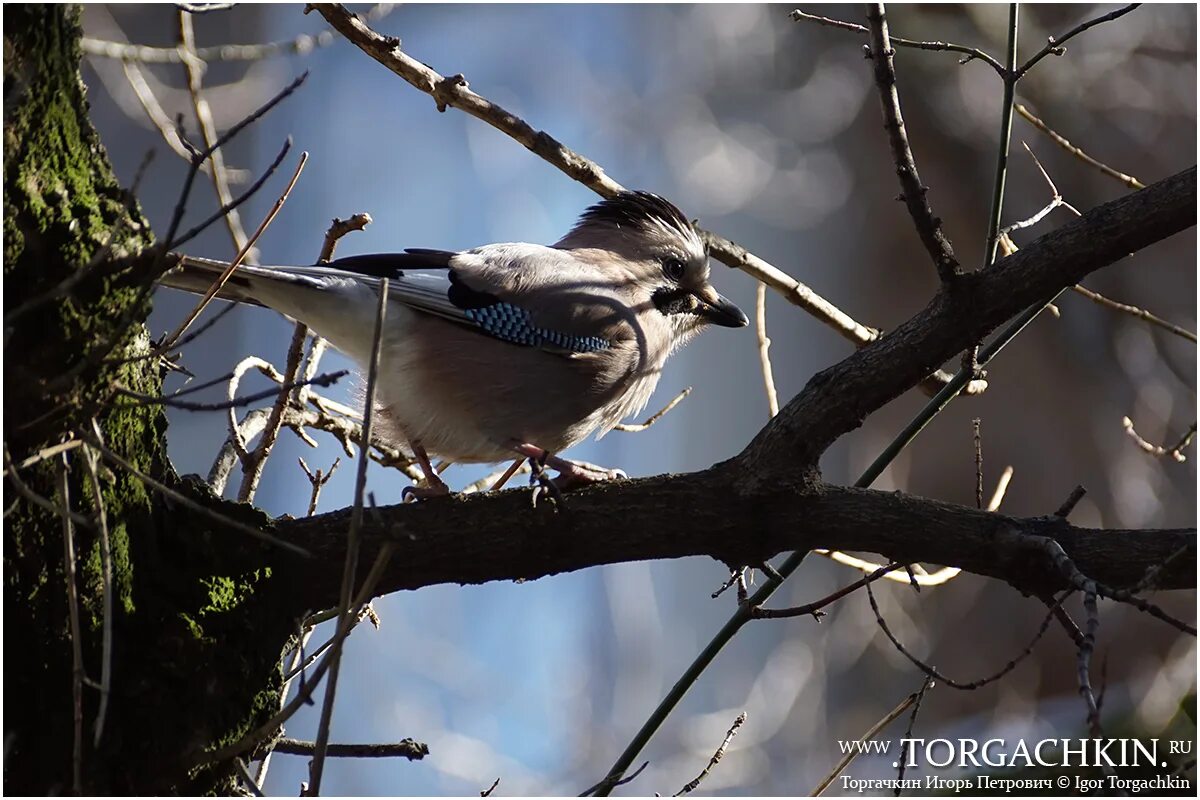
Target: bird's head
x,y
663,253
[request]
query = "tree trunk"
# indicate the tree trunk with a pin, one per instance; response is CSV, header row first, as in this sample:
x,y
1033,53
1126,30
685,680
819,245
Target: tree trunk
x,y
197,638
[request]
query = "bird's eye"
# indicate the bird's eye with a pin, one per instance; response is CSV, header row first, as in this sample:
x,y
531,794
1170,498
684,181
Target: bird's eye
x,y
673,268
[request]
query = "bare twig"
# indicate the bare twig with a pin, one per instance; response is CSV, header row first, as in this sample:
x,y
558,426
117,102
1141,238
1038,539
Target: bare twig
x,y
978,463
971,53
632,427
318,482
866,737
929,227
1055,46
1084,658
814,608
302,45
351,562
406,748
1061,141
158,117
612,781
247,779
1006,113
90,460
49,452
764,348
200,157
241,256
716,757
1072,500
196,230
1095,297
194,70
926,685
64,493
933,673
327,379
1158,450
919,575
35,498
256,460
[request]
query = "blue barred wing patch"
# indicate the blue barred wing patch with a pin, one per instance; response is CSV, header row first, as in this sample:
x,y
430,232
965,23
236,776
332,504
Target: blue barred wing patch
x,y
512,324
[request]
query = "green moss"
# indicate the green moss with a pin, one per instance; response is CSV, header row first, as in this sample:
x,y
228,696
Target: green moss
x,y
228,594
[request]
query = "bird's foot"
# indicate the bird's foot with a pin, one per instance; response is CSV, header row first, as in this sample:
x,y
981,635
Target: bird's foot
x,y
574,474
432,488
571,474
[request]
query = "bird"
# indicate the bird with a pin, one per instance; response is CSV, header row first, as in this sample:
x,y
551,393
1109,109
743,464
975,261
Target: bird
x,y
510,350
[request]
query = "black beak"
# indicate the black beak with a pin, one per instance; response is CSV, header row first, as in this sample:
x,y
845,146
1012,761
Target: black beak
x,y
718,310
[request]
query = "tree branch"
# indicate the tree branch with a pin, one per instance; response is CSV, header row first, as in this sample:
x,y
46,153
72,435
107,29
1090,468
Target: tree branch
x,y
639,520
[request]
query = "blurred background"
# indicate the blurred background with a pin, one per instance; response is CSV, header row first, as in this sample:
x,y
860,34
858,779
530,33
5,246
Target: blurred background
x,y
769,132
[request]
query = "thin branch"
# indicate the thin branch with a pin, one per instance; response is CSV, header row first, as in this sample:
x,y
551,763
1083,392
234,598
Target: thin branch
x,y
90,460
351,561
978,463
1006,115
241,256
926,685
159,119
327,379
716,757
612,781
928,226
874,731
202,156
933,672
255,461
64,494
302,45
764,348
1055,46
1072,500
318,482
1084,659
631,427
971,53
1061,141
814,608
23,489
406,748
1157,450
1142,314
194,71
247,778
237,201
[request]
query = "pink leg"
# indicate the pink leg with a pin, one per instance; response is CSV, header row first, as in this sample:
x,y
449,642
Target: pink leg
x,y
434,486
508,473
571,474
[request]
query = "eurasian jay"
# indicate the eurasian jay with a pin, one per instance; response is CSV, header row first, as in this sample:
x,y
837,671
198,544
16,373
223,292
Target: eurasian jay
x,y
507,349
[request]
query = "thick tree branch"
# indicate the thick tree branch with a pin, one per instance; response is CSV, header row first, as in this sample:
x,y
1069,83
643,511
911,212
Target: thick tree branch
x,y
837,399
640,520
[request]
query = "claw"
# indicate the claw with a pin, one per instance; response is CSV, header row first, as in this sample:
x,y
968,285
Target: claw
x,y
438,489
